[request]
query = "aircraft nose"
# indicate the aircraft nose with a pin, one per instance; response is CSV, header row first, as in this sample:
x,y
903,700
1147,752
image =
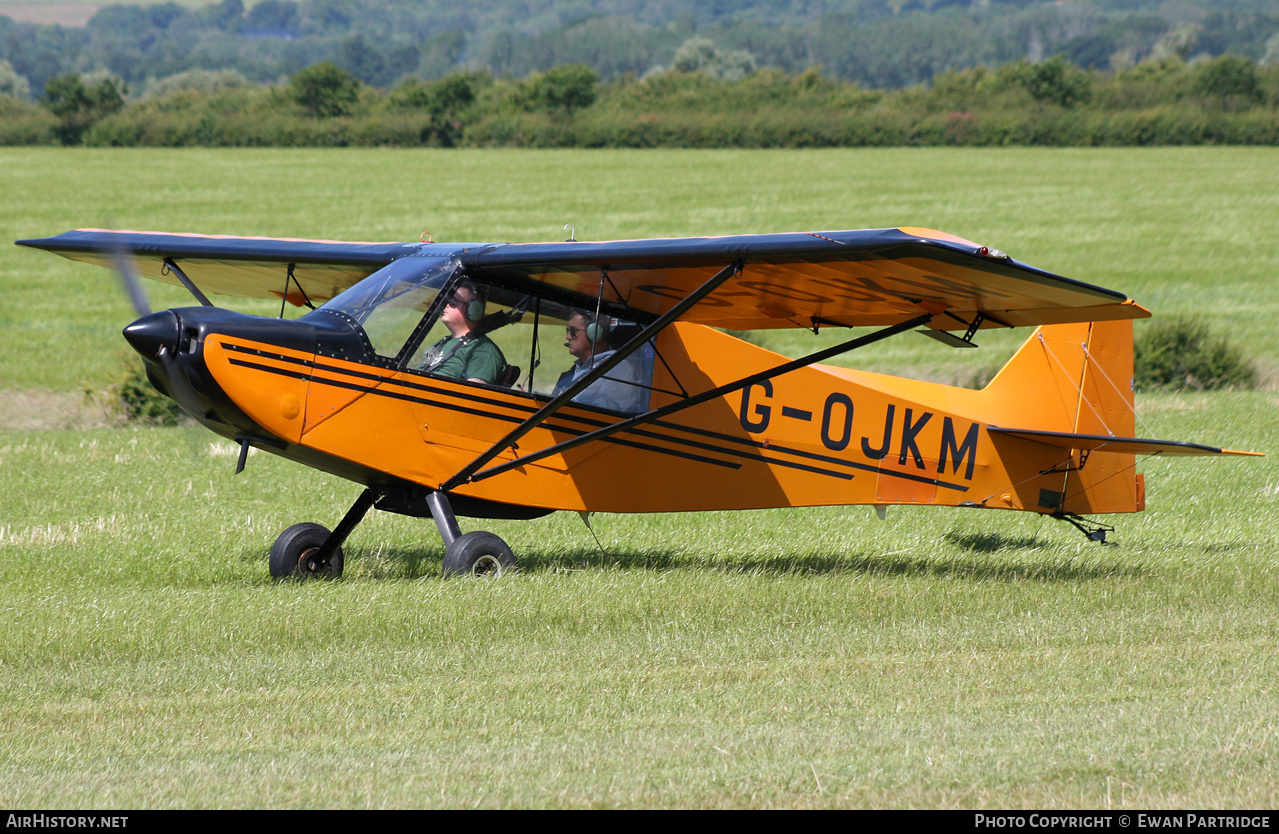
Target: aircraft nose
x,y
152,335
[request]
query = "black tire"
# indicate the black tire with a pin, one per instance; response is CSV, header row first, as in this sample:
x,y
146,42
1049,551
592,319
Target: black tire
x,y
478,554
294,552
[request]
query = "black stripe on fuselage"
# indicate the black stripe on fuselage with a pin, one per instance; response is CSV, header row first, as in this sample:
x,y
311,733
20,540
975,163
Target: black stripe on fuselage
x,y
378,391
560,418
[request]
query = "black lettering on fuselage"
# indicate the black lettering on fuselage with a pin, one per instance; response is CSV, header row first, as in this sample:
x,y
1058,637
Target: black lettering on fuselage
x,y
758,421
958,451
843,425
878,454
909,432
758,407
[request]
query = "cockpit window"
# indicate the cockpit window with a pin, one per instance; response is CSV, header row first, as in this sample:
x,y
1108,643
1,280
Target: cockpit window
x,y
494,335
390,303
537,347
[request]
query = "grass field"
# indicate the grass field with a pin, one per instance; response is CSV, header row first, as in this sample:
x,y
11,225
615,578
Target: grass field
x,y
73,12
808,659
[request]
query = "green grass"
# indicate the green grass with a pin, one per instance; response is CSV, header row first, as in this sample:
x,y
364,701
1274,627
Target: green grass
x,y
789,658
1182,230
814,658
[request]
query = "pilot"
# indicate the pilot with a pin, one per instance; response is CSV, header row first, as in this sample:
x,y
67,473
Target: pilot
x,y
463,354
620,389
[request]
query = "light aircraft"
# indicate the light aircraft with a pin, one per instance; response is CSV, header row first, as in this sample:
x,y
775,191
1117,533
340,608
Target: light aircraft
x,y
361,386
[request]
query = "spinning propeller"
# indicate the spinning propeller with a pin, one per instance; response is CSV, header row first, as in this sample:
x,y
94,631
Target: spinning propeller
x,y
153,335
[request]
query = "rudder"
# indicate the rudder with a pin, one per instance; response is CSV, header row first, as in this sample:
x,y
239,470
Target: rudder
x,y
1077,378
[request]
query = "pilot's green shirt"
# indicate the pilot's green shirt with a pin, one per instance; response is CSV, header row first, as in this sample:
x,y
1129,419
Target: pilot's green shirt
x,y
467,359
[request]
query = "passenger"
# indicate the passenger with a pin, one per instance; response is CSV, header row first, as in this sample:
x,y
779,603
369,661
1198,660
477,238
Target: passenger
x,y
460,354
620,388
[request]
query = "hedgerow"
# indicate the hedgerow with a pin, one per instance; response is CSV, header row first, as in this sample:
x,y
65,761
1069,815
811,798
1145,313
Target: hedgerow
x,y
1162,102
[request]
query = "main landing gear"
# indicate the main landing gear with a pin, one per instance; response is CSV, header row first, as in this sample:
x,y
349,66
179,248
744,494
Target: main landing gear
x,y
310,551
297,553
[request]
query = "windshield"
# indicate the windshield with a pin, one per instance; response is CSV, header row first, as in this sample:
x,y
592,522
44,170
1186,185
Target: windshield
x,y
390,303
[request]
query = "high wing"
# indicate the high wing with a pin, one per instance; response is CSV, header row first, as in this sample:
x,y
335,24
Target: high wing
x,y
246,267
877,277
874,277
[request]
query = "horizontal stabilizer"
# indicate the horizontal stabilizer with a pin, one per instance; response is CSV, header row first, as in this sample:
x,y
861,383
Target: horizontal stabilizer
x,y
1106,443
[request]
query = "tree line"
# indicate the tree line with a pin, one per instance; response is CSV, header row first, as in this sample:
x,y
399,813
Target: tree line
x,y
880,44
707,98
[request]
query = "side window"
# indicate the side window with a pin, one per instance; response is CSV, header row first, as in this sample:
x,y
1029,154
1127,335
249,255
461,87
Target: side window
x,y
502,337
472,336
570,342
390,325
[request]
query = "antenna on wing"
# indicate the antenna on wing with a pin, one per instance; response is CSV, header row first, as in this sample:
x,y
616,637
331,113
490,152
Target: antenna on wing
x,y
572,233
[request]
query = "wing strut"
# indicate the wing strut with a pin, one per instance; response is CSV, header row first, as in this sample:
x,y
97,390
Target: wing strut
x,y
170,266
465,474
714,393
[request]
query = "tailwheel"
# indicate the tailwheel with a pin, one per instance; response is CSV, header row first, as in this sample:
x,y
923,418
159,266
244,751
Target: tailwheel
x,y
1095,531
478,554
296,553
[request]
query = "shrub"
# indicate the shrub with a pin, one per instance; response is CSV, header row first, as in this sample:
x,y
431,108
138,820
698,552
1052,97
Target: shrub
x,y
23,123
324,90
1229,80
78,105
1181,353
570,87
140,402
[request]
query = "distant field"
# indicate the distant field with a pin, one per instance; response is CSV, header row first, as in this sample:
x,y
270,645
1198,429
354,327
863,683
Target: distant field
x,y
65,12
74,12
774,659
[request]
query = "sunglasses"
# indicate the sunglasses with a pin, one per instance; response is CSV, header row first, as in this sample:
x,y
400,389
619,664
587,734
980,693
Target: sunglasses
x,y
573,332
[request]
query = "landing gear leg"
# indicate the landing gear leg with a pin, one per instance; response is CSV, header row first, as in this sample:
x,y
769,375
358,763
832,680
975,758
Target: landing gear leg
x,y
442,512
477,553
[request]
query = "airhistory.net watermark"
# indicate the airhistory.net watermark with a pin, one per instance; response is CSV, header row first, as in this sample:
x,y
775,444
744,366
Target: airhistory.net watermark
x,y
65,821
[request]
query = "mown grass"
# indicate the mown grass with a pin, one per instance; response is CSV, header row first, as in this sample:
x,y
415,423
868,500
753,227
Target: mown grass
x,y
788,658
814,658
1182,230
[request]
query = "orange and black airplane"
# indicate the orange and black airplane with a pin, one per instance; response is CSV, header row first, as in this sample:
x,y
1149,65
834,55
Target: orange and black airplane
x,y
437,377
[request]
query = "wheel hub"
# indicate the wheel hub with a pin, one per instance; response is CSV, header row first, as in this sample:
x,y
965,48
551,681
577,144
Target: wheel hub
x,y
310,563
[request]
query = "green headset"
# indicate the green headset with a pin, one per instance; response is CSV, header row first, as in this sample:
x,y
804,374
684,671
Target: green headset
x,y
474,309
596,329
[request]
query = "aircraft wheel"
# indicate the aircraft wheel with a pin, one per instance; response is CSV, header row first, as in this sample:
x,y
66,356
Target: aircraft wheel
x,y
478,554
294,554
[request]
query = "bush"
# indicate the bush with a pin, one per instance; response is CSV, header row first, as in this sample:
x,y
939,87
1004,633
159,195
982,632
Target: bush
x,y
324,90
1181,354
78,105
140,402
23,123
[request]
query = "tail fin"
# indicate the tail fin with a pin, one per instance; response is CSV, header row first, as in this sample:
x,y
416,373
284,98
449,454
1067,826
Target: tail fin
x,y
1071,378
1070,386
